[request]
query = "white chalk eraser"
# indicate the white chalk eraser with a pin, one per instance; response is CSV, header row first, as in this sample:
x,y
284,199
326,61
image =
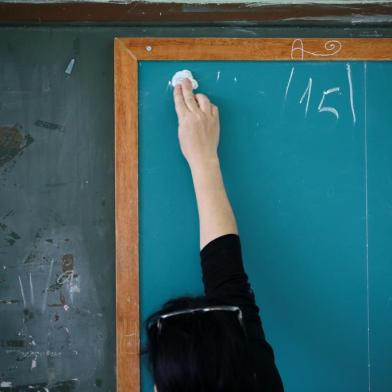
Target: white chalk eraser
x,y
181,75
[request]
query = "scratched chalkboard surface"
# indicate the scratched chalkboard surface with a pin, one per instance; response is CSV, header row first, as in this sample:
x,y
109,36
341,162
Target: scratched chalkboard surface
x,y
306,154
56,212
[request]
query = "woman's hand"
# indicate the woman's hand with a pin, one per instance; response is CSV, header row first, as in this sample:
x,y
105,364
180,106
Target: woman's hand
x,y
198,125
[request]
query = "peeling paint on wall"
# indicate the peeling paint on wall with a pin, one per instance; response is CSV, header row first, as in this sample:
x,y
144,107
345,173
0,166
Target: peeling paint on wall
x,y
12,142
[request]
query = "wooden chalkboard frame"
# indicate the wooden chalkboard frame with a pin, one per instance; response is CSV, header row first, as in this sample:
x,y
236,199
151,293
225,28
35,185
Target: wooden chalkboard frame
x,y
167,13
127,53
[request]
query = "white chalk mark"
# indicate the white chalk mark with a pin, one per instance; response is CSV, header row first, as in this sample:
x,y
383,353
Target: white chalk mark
x,y
218,75
67,277
22,291
34,363
350,83
45,299
332,90
71,292
367,230
6,384
331,47
308,91
289,82
297,45
328,108
73,287
31,290
168,87
70,66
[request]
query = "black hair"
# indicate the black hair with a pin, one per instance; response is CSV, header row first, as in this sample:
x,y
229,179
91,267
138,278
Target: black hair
x,y
200,351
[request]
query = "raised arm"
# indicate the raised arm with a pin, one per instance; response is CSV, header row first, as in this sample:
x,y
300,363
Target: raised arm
x,y
198,133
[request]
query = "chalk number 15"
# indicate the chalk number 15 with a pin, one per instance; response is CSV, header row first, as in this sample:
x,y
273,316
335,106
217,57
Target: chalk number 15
x,y
322,107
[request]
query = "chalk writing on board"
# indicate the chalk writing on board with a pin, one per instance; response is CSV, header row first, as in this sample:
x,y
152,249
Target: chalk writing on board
x,y
331,48
322,107
288,83
307,92
330,109
350,84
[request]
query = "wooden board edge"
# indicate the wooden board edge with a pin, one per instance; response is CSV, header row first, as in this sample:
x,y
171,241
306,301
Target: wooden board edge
x,y
126,219
139,12
255,49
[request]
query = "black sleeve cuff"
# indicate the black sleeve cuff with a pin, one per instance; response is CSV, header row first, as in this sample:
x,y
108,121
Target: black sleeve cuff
x,y
224,241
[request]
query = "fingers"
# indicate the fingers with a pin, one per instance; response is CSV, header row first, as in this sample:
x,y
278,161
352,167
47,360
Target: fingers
x,y
204,103
185,100
189,98
179,101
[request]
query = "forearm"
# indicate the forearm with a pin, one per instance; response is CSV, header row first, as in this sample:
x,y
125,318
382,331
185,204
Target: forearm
x,y
216,216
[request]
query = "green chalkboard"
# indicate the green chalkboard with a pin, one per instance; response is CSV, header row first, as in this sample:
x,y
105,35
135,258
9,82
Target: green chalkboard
x,y
306,154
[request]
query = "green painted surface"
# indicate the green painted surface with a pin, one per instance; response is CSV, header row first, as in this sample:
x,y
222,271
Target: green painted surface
x,y
310,189
379,87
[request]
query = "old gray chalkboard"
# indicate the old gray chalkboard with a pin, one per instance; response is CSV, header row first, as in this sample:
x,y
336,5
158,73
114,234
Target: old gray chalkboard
x,y
56,213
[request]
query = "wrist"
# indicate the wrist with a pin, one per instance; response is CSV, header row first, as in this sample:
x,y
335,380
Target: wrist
x,y
204,165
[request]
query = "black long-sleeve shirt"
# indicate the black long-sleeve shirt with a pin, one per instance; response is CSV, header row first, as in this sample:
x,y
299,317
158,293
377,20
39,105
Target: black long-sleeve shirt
x,y
224,278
